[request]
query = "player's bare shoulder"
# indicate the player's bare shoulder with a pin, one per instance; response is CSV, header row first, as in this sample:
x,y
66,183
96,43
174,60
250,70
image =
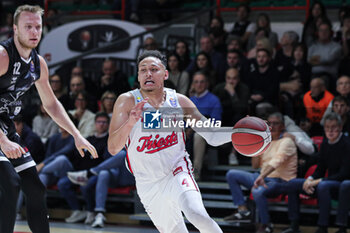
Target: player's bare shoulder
x,y
4,60
44,70
125,102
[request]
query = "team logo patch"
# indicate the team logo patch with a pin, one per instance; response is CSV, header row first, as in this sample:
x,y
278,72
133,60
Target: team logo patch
x,y
32,68
151,120
172,102
138,99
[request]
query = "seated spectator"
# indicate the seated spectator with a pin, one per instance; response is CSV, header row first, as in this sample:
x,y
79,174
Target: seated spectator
x,y
325,54
83,116
217,59
76,85
218,36
278,165
263,22
179,79
334,157
300,64
203,63
57,86
56,163
235,59
31,140
343,89
94,182
234,42
67,188
284,55
261,43
234,96
262,78
344,23
43,125
112,79
316,10
181,49
316,102
6,29
243,27
209,106
341,106
107,102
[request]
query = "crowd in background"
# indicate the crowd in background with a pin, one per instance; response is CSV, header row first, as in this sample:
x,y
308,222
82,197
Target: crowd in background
x,y
299,83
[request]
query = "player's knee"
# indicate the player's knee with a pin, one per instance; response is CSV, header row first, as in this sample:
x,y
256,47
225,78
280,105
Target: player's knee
x,y
197,216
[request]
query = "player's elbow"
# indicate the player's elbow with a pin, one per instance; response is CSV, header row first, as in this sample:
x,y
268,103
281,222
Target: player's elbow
x,y
112,149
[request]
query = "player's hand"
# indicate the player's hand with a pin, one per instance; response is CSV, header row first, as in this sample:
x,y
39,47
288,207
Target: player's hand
x,y
259,182
81,143
136,112
12,150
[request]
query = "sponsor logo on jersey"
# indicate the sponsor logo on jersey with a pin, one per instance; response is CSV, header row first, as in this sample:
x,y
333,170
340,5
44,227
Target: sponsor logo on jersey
x,y
31,67
152,144
172,102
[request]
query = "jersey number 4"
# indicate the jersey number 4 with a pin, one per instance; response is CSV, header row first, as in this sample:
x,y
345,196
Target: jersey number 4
x,y
184,182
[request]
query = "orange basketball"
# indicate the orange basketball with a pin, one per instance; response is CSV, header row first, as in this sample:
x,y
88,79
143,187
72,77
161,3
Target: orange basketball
x,y
251,136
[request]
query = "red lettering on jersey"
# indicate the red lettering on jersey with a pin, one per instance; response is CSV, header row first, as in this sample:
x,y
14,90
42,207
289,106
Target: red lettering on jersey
x,y
157,144
184,182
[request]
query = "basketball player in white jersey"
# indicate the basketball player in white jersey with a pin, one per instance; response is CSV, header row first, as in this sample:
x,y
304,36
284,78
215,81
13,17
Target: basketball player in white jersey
x,y
157,157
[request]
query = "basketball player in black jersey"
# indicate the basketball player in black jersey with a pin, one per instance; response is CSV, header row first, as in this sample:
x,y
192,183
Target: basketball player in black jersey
x,y
20,68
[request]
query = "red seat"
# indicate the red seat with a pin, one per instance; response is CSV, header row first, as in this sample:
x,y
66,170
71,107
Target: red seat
x,y
279,198
122,190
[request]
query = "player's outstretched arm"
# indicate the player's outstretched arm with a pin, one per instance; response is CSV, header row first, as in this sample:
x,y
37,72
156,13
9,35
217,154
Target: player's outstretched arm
x,y
213,136
125,115
56,111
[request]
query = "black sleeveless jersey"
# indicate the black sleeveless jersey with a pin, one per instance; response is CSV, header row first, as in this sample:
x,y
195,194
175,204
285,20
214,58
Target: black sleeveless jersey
x,y
20,76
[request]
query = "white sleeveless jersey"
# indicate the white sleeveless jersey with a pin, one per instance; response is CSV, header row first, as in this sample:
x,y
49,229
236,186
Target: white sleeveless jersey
x,y
153,151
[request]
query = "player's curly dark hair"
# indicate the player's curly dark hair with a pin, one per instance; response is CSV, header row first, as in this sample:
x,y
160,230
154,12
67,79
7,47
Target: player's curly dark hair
x,y
152,53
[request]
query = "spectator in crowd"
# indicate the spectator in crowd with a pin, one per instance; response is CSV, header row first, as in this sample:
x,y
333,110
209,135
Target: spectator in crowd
x,y
183,51
217,59
234,42
235,59
57,86
112,79
316,10
261,43
51,20
324,55
343,89
107,102
341,106
56,163
316,102
344,26
94,182
67,188
179,79
234,96
301,65
76,85
263,22
6,29
243,27
150,44
30,139
284,55
209,106
334,157
89,85
218,34
278,165
43,125
203,63
83,116
262,79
